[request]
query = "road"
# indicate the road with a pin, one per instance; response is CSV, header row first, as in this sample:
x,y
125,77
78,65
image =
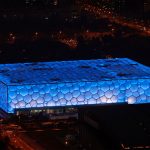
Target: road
x,y
102,13
19,140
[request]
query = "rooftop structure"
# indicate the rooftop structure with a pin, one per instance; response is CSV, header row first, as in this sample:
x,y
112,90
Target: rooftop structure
x,y
69,83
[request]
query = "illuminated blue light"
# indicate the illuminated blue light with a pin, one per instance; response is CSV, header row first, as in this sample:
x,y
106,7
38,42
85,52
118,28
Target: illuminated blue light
x,y
83,82
3,97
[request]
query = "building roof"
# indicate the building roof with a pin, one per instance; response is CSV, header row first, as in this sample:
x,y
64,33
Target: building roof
x,y
72,71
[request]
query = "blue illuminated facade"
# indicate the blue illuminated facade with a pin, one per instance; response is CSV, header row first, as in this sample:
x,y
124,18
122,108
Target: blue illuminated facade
x,y
70,83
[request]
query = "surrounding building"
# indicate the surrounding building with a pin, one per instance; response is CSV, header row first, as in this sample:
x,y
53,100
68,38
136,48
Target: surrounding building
x,y
71,83
147,5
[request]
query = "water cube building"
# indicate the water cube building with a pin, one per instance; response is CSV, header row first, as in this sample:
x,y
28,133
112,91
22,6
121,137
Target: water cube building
x,y
73,83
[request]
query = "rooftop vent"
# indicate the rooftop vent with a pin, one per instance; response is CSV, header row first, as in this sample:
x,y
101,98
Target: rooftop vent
x,y
32,64
55,79
122,74
103,65
133,64
85,67
111,60
43,69
16,81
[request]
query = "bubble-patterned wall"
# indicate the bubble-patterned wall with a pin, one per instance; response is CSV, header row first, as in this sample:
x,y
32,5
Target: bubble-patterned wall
x,y
136,91
124,87
3,97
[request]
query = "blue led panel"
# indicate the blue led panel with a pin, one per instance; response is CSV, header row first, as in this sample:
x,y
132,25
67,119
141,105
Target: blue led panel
x,y
3,97
67,83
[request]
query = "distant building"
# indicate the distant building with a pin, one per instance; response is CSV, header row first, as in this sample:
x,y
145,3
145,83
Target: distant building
x,y
147,10
48,3
129,8
147,5
133,8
